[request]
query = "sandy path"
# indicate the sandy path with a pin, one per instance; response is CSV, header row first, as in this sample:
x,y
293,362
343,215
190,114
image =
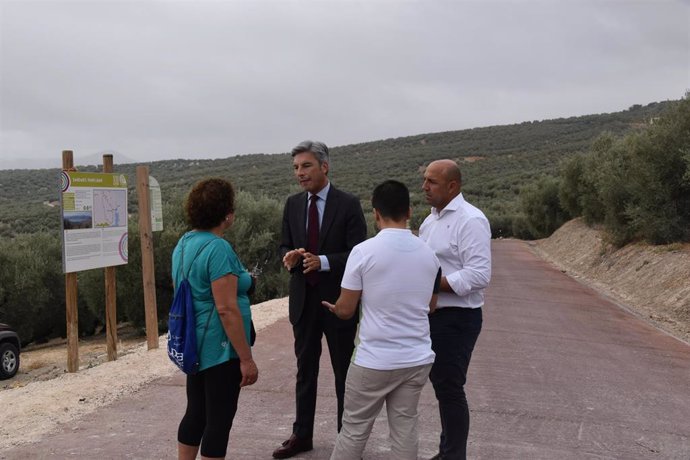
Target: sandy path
x,y
31,411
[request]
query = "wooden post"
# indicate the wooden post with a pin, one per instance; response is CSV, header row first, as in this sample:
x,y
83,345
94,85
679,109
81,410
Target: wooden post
x,y
110,290
71,311
147,266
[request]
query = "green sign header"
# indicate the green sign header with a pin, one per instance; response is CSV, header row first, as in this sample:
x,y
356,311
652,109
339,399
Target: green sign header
x,y
83,179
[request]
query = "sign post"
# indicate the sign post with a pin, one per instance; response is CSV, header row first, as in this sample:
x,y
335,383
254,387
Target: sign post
x,y
147,265
110,290
71,311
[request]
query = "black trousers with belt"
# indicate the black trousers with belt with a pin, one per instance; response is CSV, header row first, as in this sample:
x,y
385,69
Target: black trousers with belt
x,y
454,332
316,321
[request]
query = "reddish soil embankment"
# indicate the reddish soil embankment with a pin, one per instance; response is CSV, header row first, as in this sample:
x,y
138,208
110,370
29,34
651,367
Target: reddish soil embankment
x,y
652,281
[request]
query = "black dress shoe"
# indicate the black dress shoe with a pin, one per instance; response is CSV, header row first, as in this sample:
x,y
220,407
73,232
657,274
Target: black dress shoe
x,y
292,447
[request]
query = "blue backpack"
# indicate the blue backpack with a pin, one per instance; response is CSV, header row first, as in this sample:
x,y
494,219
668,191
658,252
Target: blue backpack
x,y
182,349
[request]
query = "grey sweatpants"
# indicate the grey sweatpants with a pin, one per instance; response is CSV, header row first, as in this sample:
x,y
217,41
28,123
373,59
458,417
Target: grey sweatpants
x,y
365,392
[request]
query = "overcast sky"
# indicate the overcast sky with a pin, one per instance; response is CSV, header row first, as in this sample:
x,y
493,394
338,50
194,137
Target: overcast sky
x,y
209,79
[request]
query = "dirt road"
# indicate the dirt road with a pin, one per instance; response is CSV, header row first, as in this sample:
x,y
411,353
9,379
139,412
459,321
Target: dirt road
x,y
559,372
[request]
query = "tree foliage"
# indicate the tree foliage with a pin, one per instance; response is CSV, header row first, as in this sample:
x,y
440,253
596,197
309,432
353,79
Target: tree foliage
x,y
542,208
637,186
32,288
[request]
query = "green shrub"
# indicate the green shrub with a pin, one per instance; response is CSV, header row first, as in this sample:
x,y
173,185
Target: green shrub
x,y
542,208
659,210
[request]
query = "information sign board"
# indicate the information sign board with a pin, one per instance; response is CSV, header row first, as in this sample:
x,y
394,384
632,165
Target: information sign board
x,y
94,220
156,203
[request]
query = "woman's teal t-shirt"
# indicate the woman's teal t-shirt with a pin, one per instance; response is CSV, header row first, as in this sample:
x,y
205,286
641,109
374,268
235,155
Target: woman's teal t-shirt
x,y
205,264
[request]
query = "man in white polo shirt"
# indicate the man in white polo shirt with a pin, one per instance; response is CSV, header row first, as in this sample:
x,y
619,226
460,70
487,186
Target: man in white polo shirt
x,y
460,236
396,275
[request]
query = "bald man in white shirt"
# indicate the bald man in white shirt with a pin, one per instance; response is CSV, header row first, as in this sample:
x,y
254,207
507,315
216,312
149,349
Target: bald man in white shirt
x,y
460,235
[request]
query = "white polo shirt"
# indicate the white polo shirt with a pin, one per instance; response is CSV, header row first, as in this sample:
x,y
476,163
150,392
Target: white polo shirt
x,y
461,238
396,272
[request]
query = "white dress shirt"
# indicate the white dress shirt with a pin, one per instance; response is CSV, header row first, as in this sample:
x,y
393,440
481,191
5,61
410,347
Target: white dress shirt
x,y
321,206
461,238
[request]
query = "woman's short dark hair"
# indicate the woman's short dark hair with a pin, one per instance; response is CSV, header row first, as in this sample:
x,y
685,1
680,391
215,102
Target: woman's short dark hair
x,y
392,200
209,202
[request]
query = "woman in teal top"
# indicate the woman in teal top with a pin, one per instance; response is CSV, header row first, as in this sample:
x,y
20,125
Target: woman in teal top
x,y
219,284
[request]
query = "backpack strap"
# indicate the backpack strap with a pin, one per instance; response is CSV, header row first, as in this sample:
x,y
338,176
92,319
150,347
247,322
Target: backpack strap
x,y
194,258
208,321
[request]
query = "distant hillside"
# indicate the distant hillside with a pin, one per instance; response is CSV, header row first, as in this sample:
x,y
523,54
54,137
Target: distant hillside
x,y
56,161
496,162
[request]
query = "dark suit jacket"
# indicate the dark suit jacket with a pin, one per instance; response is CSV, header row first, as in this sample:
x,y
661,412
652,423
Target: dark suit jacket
x,y
342,227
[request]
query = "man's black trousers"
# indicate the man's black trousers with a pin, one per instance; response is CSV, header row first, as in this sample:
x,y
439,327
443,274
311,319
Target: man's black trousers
x,y
454,332
317,320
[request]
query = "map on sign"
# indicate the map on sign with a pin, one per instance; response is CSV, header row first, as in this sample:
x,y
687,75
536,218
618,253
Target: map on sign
x,y
109,208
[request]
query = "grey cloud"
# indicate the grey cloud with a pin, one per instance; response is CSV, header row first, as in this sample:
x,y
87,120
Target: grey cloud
x,y
206,79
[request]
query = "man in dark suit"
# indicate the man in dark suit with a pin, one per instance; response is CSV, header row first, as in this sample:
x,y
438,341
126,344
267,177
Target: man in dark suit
x,y
321,225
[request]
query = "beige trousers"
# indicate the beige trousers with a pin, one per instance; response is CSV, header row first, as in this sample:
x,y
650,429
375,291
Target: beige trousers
x,y
365,392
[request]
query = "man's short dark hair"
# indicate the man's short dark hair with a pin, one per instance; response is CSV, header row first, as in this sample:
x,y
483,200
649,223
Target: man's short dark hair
x,y
392,200
319,150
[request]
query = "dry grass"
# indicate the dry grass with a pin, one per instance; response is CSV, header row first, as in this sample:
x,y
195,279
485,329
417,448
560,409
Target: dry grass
x,y
32,363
